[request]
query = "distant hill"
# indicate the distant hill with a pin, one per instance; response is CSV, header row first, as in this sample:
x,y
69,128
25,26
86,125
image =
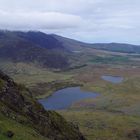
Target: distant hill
x,y
51,51
35,47
71,44
75,45
117,47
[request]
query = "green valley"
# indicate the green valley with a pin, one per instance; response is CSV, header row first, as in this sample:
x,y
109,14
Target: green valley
x,y
113,115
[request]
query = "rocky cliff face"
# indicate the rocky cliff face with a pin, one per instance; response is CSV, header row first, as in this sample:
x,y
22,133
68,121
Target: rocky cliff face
x,y
16,102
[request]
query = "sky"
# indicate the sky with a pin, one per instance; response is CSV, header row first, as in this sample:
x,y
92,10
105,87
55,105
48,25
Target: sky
x,y
93,21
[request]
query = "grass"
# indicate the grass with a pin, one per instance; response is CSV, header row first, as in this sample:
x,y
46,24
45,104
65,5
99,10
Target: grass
x,y
115,60
109,59
21,132
1,83
122,97
30,74
30,80
102,125
115,114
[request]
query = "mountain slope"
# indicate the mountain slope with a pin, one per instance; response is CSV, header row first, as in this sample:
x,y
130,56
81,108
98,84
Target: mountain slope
x,y
33,47
71,44
75,45
117,47
53,51
41,39
16,103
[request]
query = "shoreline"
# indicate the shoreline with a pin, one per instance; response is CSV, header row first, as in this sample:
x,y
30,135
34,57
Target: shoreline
x,y
57,86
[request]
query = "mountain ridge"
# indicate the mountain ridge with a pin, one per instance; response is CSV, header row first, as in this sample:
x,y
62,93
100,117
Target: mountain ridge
x,y
20,47
52,51
113,46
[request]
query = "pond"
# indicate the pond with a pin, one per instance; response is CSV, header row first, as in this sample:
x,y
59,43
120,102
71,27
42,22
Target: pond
x,y
113,79
64,98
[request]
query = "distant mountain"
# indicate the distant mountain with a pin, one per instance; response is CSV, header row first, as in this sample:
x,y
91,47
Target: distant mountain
x,y
75,45
51,51
117,47
36,47
71,44
41,39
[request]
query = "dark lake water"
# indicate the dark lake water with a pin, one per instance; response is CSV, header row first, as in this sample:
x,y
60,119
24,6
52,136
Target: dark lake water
x,y
63,99
113,79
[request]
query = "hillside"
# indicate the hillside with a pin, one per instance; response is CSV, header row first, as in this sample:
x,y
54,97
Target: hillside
x,y
35,47
19,108
53,51
117,47
75,45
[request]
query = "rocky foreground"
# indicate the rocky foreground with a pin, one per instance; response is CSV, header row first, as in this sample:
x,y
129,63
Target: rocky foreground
x,y
17,103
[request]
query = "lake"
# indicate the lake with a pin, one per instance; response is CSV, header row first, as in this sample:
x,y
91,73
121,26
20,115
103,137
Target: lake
x,y
112,79
64,98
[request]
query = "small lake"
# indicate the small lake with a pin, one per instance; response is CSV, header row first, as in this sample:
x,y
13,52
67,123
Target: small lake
x,y
113,79
64,98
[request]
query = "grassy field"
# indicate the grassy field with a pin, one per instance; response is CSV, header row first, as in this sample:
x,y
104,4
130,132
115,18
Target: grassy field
x,y
104,125
114,115
21,132
30,74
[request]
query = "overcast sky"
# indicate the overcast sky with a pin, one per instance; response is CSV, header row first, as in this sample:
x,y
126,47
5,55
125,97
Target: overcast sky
x,y
85,20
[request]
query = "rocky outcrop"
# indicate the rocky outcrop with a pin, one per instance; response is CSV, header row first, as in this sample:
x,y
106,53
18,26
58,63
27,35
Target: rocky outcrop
x,y
17,103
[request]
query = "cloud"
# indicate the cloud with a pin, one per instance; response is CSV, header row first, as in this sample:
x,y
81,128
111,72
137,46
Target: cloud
x,y
86,20
38,20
